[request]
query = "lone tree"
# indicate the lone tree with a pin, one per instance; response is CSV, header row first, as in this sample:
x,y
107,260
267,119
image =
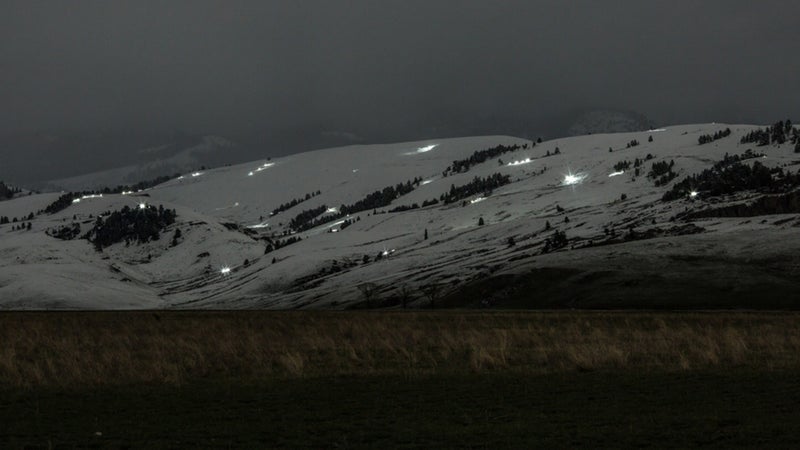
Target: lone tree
x,y
481,222
432,292
369,291
405,295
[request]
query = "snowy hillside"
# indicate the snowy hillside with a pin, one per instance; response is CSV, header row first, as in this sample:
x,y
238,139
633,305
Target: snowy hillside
x,y
567,204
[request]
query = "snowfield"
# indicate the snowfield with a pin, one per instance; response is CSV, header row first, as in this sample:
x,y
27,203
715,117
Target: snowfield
x,y
224,215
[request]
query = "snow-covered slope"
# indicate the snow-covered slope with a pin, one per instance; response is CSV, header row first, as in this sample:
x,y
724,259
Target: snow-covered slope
x,y
324,269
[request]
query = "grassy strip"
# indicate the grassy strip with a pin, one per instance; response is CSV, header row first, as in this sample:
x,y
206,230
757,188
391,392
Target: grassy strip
x,y
98,349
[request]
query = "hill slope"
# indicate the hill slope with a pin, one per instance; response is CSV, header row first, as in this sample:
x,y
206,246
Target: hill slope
x,y
616,229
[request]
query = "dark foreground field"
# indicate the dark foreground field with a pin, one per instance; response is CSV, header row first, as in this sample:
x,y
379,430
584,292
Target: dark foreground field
x,y
377,380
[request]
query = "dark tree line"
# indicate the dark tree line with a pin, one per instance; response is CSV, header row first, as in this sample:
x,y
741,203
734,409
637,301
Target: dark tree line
x,y
61,203
476,186
480,156
7,192
377,199
662,172
130,225
306,216
275,244
622,165
778,133
708,138
733,177
288,205
65,232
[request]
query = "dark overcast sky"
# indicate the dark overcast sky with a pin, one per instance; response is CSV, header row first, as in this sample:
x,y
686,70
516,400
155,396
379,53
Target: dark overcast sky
x,y
244,67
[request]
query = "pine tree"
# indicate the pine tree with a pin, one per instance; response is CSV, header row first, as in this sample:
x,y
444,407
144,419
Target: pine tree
x,y
426,234
481,222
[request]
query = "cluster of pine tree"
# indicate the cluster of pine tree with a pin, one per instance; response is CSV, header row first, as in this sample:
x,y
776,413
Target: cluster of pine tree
x,y
306,216
7,192
130,225
778,133
463,165
556,241
662,172
65,232
61,203
377,199
284,206
476,186
733,177
708,138
622,165
632,143
277,243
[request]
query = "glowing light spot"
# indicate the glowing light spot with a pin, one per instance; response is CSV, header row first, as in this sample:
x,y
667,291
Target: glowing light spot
x,y
78,200
476,200
260,225
616,174
250,174
657,130
427,148
331,210
142,205
427,181
334,230
355,170
180,177
693,194
197,174
225,270
520,162
573,178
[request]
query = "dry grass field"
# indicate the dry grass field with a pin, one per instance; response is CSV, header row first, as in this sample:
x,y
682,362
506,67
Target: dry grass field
x,y
107,348
360,379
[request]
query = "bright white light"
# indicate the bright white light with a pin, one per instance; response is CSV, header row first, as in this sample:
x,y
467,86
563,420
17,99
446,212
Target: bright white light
x,y
427,148
78,200
260,225
355,170
616,174
260,168
197,174
476,200
427,181
142,205
657,130
127,192
225,270
334,230
180,177
520,162
331,210
693,194
573,178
